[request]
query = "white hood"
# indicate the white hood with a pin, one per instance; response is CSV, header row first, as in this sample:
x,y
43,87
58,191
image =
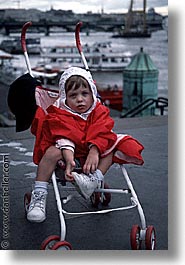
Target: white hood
x,y
64,77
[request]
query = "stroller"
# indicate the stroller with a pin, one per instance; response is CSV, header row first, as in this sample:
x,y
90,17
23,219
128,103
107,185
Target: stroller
x,y
139,233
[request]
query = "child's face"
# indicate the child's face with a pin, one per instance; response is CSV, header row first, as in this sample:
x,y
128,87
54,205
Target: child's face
x,y
80,99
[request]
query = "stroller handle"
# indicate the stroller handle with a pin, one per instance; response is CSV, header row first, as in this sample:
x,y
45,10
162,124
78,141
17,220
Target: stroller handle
x,y
79,46
77,36
23,35
23,44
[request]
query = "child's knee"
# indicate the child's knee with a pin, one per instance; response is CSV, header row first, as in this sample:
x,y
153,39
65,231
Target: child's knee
x,y
53,153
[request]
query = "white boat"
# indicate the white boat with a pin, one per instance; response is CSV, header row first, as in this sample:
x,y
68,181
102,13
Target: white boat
x,y
13,45
105,65
99,56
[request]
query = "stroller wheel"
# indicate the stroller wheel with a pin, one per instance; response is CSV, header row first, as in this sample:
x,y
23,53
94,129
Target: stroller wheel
x,y
62,245
27,199
150,238
135,237
95,199
49,242
106,196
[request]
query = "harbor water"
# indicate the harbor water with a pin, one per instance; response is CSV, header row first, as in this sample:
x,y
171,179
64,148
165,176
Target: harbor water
x,y
156,47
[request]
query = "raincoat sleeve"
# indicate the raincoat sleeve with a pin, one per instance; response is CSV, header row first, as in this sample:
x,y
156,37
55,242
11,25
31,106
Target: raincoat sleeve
x,y
65,144
100,132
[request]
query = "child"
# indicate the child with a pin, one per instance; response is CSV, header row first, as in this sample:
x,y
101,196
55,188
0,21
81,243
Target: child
x,y
76,126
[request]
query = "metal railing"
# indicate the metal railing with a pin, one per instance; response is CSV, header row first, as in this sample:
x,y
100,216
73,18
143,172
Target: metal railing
x,y
160,103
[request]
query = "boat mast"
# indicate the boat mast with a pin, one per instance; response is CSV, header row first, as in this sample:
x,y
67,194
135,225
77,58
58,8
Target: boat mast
x,y
130,17
144,15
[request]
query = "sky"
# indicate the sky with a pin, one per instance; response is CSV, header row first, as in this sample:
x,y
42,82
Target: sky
x,y
83,6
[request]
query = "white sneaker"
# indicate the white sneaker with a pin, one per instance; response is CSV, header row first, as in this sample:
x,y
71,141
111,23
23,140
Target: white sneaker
x,y
37,208
85,184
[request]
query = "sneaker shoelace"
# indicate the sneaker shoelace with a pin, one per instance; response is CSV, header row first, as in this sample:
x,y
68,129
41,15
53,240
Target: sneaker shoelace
x,y
38,200
91,178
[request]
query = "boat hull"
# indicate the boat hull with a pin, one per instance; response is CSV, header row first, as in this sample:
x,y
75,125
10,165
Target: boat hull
x,y
112,99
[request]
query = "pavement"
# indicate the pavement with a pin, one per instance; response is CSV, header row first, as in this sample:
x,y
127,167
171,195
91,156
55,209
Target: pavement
x,y
91,232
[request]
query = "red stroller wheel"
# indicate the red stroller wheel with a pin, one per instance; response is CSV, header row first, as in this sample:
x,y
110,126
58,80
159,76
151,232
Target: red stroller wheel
x,y
107,196
135,237
62,245
150,238
96,197
27,200
49,242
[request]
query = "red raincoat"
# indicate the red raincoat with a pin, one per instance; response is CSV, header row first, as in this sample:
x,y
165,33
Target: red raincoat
x,y
97,129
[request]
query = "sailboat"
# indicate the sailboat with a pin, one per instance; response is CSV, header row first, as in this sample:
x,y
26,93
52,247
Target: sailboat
x,y
135,23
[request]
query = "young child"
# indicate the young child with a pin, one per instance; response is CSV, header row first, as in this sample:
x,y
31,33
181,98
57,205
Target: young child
x,y
76,126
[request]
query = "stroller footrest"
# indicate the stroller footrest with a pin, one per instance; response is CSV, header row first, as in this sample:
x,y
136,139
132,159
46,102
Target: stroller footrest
x,y
126,191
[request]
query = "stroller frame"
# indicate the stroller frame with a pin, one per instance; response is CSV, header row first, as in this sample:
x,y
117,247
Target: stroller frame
x,y
138,234
134,203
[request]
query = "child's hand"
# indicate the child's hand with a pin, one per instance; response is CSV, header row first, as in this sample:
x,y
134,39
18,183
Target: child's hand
x,y
69,168
92,160
68,156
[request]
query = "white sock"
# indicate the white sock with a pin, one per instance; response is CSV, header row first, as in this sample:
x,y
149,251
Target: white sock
x,y
41,186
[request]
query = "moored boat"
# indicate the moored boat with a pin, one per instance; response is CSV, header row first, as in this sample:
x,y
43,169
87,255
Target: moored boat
x,y
99,56
8,72
111,95
105,63
112,99
13,45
